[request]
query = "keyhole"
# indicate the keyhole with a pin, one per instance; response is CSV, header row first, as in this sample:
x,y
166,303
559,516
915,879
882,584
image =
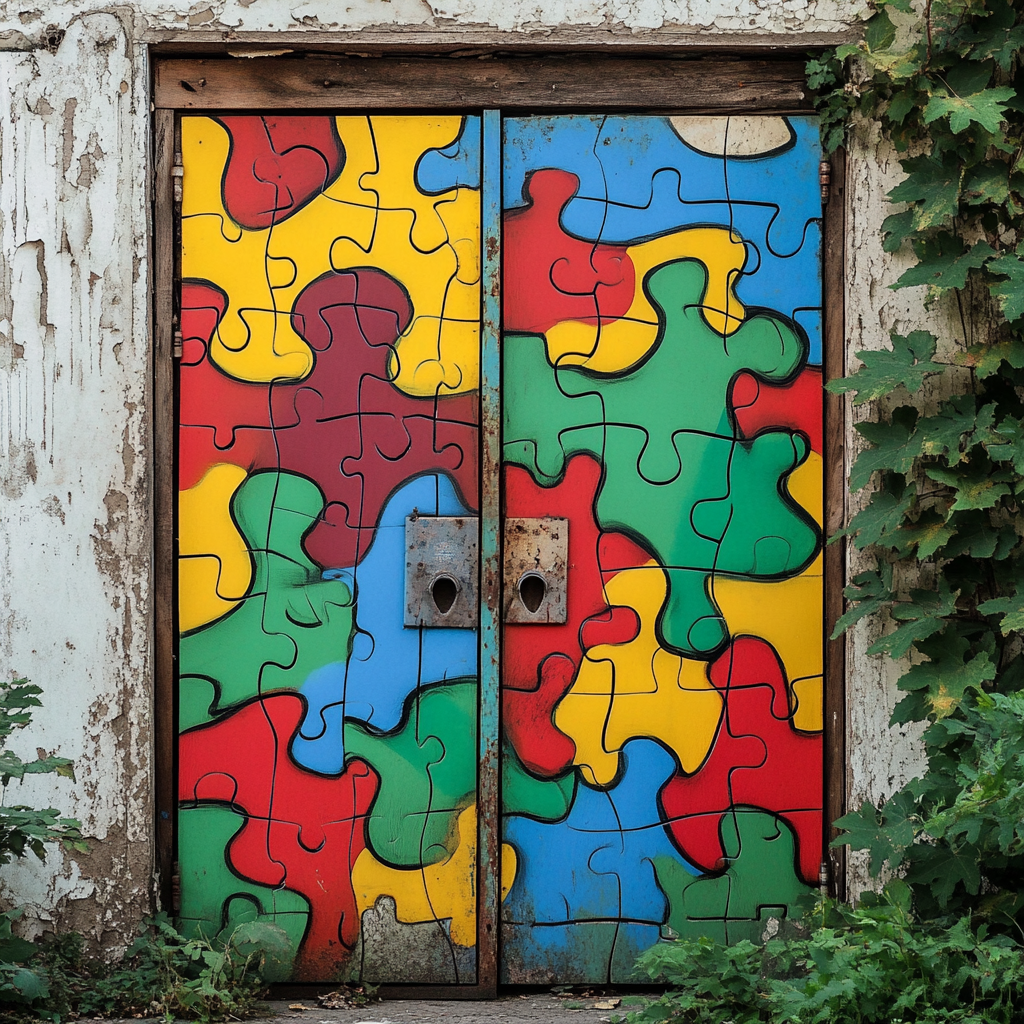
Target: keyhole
x,y
532,589
444,590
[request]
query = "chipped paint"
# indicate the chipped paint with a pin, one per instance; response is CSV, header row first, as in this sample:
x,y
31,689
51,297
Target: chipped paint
x,y
76,610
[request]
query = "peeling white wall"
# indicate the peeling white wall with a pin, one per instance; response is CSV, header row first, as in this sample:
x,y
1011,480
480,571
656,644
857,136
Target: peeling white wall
x,y
74,486
27,24
75,480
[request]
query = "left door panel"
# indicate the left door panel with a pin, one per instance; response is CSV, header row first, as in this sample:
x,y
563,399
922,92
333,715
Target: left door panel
x,y
328,391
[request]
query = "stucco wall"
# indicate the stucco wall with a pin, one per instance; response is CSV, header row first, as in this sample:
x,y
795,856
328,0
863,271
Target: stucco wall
x,y
75,482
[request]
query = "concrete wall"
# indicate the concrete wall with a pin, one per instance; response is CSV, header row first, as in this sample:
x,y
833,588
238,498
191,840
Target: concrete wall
x,y
75,455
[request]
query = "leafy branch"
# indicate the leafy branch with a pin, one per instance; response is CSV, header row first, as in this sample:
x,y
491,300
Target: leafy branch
x,y
943,520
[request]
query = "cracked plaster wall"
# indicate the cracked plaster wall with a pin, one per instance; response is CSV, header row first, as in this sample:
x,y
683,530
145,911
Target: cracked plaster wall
x,y
75,471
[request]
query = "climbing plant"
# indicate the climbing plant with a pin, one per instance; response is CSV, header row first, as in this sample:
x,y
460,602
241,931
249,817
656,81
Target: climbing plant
x,y
943,467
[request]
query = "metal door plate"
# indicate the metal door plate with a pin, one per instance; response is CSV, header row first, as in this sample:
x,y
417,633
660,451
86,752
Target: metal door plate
x,y
536,548
441,554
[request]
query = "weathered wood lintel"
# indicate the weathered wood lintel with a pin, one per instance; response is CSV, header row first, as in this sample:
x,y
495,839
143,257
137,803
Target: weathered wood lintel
x,y
513,83
453,39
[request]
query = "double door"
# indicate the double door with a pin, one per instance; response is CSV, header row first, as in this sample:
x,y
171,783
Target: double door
x,y
577,687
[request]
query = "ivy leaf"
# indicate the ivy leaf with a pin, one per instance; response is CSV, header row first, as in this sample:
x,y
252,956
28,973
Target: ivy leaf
x,y
907,363
948,433
871,591
976,485
974,535
946,676
1001,46
941,867
987,183
987,108
879,32
922,616
895,447
881,518
895,229
901,104
1010,293
886,833
1006,443
930,533
1011,609
934,186
986,359
943,263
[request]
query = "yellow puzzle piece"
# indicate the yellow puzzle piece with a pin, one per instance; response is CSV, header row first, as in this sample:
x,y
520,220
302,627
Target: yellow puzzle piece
x,y
622,343
432,893
638,689
214,567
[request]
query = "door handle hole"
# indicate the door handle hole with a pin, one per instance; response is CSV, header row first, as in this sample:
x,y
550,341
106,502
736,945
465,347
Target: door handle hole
x,y
443,591
532,590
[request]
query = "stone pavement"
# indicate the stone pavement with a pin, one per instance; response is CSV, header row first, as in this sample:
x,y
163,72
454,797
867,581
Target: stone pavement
x,y
535,1008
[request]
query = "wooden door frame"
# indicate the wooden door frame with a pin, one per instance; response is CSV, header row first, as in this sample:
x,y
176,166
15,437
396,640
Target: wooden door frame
x,y
689,82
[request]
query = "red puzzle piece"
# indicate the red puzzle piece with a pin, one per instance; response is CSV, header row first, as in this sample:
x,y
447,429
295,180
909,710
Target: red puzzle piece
x,y
559,277
243,760
277,164
540,662
758,760
345,426
797,405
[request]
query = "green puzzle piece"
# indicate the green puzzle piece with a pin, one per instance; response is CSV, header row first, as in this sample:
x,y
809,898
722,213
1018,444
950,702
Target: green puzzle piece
x,y
540,799
290,623
760,882
676,477
214,899
427,768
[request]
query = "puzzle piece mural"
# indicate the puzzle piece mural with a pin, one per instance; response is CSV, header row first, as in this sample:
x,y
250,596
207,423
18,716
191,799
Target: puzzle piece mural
x,y
661,750
661,393
330,328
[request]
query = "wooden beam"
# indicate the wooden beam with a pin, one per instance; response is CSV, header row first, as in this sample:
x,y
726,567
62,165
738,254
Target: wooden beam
x,y
514,83
834,359
470,42
164,496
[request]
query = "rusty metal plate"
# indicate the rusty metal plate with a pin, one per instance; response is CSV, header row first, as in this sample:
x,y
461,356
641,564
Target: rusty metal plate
x,y
536,559
441,568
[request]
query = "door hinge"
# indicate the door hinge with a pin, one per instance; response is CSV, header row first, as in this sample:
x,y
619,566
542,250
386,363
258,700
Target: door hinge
x,y
824,877
178,174
824,180
177,344
176,890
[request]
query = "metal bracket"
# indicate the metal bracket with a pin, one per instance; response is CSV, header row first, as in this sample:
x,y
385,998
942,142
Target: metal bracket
x,y
536,559
825,180
442,563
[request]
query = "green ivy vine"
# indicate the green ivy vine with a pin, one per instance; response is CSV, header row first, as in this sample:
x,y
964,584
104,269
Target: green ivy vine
x,y
944,462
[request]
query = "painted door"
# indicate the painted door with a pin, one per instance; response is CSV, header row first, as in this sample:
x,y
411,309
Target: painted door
x,y
661,678
330,322
662,402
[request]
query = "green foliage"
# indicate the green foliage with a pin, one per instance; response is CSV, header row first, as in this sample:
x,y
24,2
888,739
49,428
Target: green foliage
x,y
871,964
161,974
944,456
25,829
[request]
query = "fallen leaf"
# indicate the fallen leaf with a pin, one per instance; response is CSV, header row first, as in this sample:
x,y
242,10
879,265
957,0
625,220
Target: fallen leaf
x,y
607,1004
298,1006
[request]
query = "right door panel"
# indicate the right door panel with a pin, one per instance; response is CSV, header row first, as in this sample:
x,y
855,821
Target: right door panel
x,y
662,768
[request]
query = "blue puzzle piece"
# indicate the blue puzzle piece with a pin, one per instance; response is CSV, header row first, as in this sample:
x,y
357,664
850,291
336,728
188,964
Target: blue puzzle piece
x,y
566,142
388,661
639,180
596,864
441,170
582,953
